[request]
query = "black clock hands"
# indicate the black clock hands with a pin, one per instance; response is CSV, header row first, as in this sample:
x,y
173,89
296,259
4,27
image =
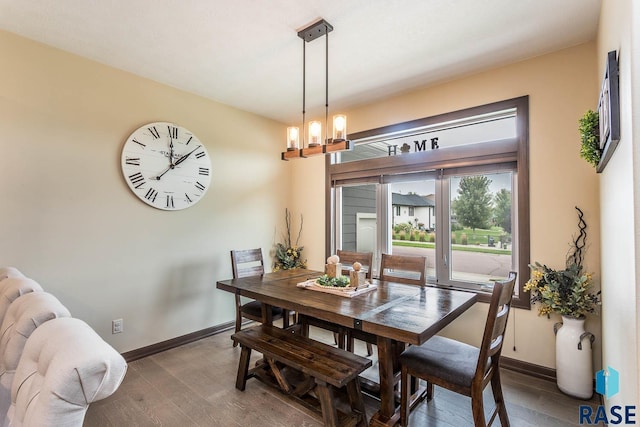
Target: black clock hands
x,y
180,160
171,151
166,170
183,158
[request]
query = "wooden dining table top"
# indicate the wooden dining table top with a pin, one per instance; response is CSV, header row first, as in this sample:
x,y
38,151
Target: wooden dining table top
x,y
405,313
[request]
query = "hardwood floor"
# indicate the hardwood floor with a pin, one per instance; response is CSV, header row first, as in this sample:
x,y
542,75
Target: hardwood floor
x,y
194,385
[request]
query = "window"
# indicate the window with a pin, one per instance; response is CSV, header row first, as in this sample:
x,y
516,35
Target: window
x,y
453,188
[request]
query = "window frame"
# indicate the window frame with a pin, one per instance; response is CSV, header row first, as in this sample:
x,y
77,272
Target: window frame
x,y
512,150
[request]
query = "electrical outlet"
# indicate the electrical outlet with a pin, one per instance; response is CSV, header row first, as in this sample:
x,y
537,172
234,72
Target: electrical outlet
x,y
117,326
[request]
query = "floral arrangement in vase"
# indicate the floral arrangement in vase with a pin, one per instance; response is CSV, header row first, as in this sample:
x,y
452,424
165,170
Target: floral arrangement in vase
x,y
566,292
289,256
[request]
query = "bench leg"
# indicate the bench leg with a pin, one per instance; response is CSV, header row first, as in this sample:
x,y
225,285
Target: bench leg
x,y
243,368
324,392
356,401
282,381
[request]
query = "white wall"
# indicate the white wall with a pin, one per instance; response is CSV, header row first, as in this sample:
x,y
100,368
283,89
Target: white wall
x,y
70,222
620,204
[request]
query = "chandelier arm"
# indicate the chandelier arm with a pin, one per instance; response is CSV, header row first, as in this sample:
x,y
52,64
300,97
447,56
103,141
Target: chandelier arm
x,y
326,86
304,89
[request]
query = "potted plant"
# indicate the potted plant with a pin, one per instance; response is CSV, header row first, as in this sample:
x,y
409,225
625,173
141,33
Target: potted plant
x,y
289,256
589,128
565,292
568,292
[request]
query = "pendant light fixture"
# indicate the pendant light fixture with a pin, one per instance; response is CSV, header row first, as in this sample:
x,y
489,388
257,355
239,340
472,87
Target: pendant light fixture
x,y
309,141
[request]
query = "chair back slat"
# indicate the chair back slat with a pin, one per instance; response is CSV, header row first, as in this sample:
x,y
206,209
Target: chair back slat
x,y
404,269
246,263
347,258
496,323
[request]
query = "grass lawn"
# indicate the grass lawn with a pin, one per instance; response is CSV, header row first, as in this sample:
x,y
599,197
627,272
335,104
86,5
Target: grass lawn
x,y
465,248
474,240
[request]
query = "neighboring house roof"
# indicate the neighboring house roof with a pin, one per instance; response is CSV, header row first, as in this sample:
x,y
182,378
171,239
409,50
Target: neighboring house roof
x,y
431,198
410,200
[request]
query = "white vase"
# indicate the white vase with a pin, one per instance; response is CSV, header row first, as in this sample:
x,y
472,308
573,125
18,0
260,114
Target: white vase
x,y
574,363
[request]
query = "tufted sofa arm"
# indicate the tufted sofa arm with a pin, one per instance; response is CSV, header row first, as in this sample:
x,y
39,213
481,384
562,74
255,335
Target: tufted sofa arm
x,y
14,287
24,315
7,272
64,367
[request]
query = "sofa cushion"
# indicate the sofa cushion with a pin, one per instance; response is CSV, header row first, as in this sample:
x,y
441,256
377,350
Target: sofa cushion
x,y
6,272
13,287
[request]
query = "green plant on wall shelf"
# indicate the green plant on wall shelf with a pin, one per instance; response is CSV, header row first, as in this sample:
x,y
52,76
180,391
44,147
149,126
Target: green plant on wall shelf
x,y
590,138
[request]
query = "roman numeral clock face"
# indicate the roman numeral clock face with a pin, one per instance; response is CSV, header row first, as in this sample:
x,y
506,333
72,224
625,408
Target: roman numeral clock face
x,y
166,166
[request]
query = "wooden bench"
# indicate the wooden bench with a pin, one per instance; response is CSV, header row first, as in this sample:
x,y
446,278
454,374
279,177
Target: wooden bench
x,y
327,368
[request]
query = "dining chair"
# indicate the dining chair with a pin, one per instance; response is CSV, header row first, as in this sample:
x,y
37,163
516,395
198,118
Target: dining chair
x,y
404,269
460,367
347,258
245,263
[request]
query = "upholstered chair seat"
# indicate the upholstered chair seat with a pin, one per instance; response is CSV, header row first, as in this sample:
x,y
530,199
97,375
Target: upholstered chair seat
x,y
451,360
254,309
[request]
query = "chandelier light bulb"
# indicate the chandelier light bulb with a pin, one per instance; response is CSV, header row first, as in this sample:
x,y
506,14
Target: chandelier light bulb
x,y
339,128
315,133
293,138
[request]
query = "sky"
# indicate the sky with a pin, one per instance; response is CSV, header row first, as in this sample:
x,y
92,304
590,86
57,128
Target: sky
x,y
424,188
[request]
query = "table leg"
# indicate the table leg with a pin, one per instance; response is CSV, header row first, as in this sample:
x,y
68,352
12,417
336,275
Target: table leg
x,y
386,415
303,325
267,314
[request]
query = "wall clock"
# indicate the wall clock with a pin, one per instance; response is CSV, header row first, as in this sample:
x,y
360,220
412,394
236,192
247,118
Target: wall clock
x,y
166,166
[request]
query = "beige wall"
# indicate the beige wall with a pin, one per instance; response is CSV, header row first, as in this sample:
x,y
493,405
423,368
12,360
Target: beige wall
x,y
560,88
70,221
620,204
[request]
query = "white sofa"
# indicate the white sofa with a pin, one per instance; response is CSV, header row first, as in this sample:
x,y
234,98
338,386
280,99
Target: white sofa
x,y
24,315
52,366
14,287
6,272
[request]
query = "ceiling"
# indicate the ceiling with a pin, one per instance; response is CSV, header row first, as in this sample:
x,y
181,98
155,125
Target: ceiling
x,y
246,53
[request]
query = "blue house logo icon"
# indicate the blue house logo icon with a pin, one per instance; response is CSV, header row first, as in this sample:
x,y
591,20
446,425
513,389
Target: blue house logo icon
x,y
608,382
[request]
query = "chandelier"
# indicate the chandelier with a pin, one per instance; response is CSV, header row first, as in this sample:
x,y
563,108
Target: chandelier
x,y
314,143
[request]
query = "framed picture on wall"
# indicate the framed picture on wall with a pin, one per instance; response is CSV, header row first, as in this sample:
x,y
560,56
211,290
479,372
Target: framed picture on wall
x,y
609,111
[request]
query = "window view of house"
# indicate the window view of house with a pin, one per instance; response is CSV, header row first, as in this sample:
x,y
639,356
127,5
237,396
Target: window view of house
x,y
459,218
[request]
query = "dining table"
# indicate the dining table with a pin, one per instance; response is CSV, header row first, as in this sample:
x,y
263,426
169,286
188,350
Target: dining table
x,y
390,314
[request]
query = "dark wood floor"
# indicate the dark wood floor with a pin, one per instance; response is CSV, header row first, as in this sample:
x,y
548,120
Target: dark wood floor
x,y
194,385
